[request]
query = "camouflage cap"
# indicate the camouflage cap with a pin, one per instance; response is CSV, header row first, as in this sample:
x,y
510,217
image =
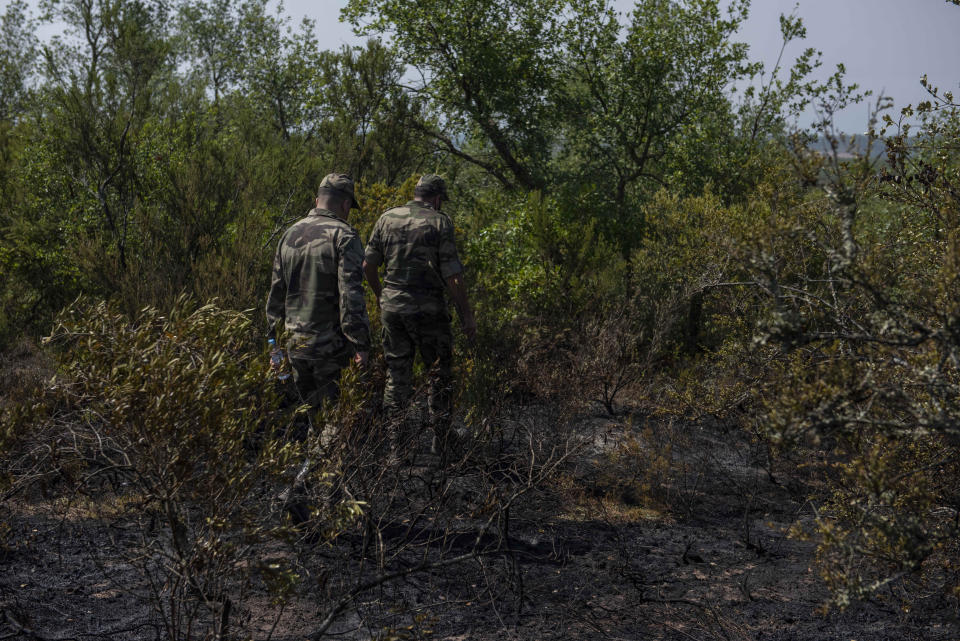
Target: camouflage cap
x,y
431,185
341,183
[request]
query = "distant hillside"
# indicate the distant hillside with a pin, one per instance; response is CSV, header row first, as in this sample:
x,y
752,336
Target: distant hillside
x,y
851,146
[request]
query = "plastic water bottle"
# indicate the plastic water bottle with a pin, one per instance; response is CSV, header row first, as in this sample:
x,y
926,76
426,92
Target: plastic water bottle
x,y
277,361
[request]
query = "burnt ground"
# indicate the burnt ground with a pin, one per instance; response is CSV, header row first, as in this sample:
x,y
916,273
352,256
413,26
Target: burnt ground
x,y
683,537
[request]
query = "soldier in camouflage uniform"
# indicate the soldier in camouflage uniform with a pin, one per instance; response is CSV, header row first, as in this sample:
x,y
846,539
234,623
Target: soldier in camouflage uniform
x,y
415,245
317,293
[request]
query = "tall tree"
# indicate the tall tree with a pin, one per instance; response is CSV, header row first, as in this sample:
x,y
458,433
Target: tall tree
x,y
656,88
491,67
369,125
210,30
278,67
19,49
105,83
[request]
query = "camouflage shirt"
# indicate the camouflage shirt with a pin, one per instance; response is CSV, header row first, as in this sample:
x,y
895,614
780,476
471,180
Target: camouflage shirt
x,y
317,287
415,244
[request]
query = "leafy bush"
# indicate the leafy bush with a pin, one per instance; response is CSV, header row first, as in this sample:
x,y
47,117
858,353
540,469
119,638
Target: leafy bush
x,y
543,258
865,320
169,420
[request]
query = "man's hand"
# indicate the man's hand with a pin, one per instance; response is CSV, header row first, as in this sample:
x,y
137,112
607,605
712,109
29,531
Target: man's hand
x,y
361,358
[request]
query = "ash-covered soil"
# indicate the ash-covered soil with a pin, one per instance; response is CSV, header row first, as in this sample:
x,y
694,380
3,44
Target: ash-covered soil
x,y
694,547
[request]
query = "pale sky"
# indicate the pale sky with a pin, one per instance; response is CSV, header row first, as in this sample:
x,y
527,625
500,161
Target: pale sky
x,y
886,45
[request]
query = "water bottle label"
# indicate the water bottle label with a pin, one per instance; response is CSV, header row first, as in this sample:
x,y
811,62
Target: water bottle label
x,y
278,362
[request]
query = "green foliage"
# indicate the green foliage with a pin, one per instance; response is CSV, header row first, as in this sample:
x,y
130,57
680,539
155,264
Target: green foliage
x,y
210,38
172,421
555,302
277,67
178,397
170,142
545,259
493,68
167,146
370,122
19,50
870,373
624,215
894,507
647,104
572,98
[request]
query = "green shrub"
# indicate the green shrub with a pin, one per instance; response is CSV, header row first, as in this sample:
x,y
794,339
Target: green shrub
x,y
170,419
542,258
863,311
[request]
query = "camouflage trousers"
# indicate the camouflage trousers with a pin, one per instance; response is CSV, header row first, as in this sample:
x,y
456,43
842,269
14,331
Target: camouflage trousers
x,y
429,334
316,369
